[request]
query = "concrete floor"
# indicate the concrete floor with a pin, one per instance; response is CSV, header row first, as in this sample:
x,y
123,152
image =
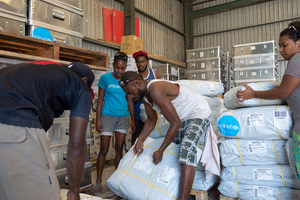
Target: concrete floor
x,y
107,194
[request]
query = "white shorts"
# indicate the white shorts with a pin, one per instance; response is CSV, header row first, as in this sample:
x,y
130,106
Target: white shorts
x,y
111,124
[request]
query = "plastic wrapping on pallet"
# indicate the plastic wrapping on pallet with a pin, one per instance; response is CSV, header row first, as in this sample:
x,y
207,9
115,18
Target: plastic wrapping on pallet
x,y
257,123
162,125
231,101
235,152
138,178
206,88
259,192
270,175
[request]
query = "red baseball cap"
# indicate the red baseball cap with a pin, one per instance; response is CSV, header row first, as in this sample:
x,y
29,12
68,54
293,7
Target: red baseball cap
x,y
140,53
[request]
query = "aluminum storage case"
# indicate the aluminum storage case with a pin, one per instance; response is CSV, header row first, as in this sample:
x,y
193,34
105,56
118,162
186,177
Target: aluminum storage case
x,y
167,71
86,177
182,73
255,60
255,48
59,154
211,75
61,18
255,75
207,64
13,16
205,53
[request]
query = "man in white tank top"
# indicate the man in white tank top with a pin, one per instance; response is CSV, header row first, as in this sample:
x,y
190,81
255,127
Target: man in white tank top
x,y
185,109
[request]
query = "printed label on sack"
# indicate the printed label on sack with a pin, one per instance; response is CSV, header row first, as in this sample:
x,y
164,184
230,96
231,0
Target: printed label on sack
x,y
263,193
228,126
166,175
144,163
211,87
281,119
255,120
262,174
255,147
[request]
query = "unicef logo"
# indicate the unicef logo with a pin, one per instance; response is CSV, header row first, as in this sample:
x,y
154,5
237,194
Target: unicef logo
x,y
228,126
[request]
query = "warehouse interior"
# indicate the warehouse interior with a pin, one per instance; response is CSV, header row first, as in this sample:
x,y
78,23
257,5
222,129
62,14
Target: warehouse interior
x,y
214,46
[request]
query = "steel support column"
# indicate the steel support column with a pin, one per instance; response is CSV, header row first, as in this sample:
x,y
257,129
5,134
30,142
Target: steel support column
x,y
188,24
129,17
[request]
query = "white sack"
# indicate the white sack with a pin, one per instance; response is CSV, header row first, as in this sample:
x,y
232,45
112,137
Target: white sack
x,y
270,175
217,107
235,152
257,192
231,101
138,178
206,88
266,122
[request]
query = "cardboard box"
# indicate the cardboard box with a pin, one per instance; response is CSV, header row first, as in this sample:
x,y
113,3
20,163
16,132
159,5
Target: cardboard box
x,y
131,44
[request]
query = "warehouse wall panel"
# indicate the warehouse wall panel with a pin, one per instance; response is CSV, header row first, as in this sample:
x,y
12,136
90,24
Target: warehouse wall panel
x,y
256,23
158,39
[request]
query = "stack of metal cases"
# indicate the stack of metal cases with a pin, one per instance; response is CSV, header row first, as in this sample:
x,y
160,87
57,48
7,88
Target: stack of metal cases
x,y
255,62
58,135
208,64
13,16
62,18
167,71
182,73
230,72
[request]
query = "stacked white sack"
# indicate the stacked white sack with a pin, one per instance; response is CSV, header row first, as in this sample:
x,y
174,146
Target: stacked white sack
x,y
257,192
268,175
162,125
231,101
138,178
205,88
267,122
236,152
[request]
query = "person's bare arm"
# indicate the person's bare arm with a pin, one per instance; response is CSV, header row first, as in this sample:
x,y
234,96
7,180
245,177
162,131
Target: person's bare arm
x,y
287,87
148,127
159,94
131,112
99,109
157,76
76,154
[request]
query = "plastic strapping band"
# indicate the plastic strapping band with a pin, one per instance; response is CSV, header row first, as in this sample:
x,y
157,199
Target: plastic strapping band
x,y
196,86
237,186
282,175
240,151
278,131
157,126
215,87
279,192
274,148
261,101
149,183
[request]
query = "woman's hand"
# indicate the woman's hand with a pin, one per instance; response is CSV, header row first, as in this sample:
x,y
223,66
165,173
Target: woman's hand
x,y
243,95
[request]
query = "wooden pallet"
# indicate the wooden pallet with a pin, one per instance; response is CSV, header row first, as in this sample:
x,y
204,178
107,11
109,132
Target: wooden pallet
x,y
22,47
222,197
210,194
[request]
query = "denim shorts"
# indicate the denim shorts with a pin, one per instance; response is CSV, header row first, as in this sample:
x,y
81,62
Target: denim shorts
x,y
111,124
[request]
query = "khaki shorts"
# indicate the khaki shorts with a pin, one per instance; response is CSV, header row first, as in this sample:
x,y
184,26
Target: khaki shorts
x,y
26,168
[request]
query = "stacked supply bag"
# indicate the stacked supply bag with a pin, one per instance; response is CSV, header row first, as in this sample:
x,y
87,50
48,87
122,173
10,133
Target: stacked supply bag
x,y
255,62
209,64
254,155
138,178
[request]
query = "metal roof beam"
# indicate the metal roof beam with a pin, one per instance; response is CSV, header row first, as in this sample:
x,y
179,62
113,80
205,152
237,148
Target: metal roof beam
x,y
224,7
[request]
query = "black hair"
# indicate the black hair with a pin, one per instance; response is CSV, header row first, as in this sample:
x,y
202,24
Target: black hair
x,y
293,31
131,75
120,56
